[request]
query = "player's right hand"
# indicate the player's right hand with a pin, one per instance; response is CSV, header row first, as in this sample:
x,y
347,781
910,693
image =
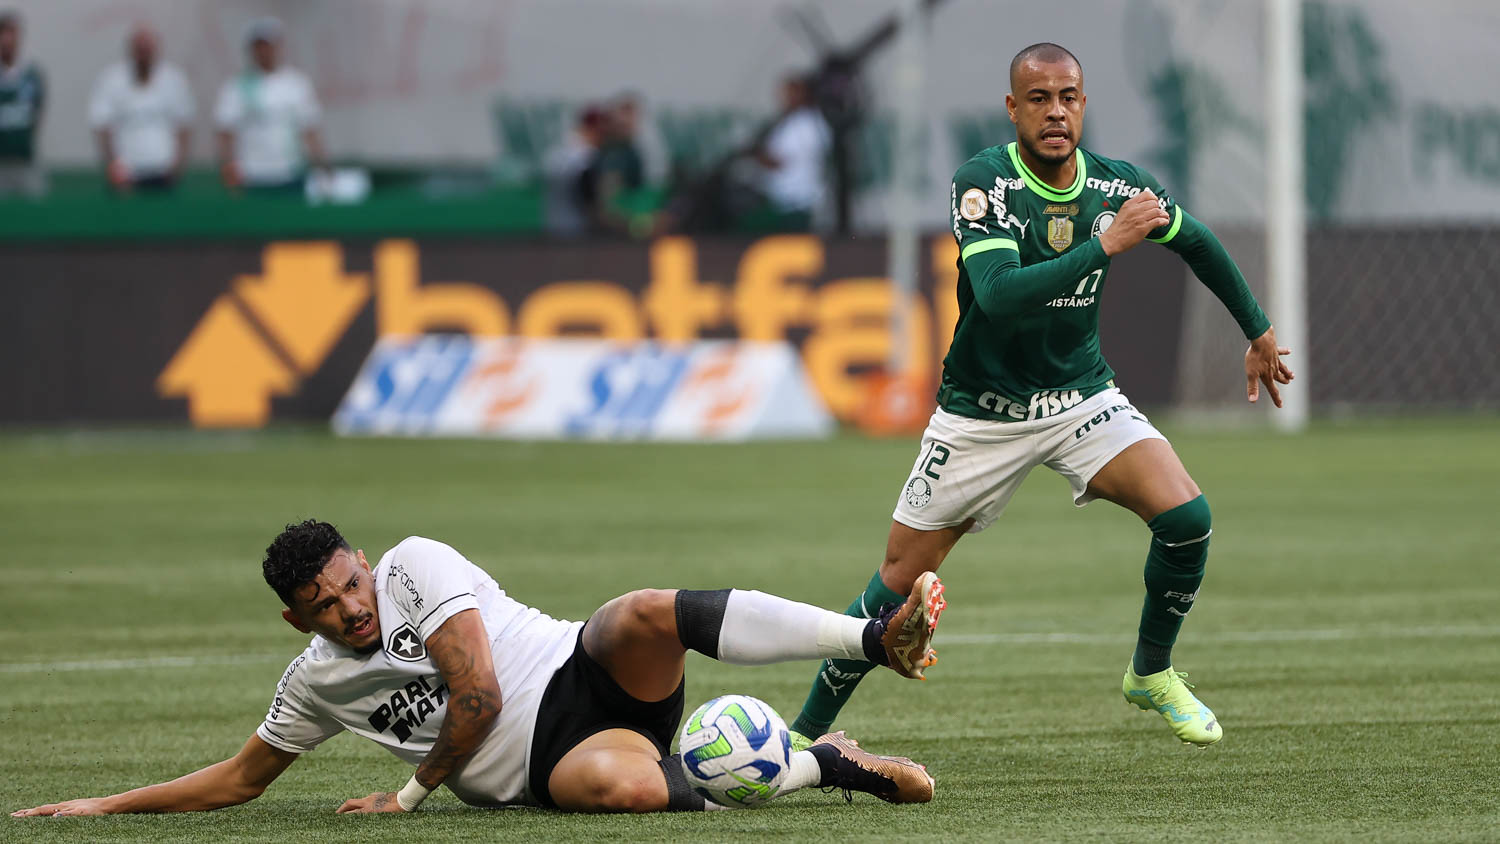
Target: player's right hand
x,y
119,175
380,801
1263,365
67,808
1137,218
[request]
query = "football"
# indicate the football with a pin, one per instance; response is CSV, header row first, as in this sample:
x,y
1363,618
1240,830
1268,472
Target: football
x,y
736,751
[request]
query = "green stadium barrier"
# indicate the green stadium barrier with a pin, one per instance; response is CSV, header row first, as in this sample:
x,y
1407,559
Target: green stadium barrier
x,y
78,207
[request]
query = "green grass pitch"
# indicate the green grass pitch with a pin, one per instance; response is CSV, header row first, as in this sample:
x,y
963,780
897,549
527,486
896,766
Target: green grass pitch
x,y
1348,635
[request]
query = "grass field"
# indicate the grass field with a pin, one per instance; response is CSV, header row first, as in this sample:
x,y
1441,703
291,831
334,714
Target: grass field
x,y
1348,635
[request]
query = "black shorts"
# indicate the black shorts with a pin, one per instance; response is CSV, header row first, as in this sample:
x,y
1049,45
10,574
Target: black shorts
x,y
581,700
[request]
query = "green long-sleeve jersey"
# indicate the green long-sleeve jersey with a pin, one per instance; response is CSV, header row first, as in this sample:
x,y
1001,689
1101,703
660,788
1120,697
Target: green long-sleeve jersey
x,y
22,95
1030,274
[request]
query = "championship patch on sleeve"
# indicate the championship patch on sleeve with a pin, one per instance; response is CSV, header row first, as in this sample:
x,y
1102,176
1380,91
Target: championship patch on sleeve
x,y
973,205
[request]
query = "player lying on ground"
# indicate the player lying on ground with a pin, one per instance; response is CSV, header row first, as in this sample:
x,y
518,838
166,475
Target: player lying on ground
x,y
426,656
1024,385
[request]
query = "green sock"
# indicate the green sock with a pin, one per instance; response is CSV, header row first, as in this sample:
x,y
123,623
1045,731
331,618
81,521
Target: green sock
x,y
837,678
1174,569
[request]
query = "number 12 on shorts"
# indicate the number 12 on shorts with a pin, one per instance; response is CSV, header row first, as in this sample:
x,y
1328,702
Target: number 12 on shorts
x,y
936,455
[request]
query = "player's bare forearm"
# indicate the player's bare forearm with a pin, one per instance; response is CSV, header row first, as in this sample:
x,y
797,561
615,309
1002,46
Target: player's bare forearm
x,y
312,139
213,787
461,650
229,171
236,780
184,145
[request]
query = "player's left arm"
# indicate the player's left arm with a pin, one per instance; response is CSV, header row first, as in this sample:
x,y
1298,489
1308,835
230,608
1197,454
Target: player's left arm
x,y
461,650
1213,266
41,104
309,118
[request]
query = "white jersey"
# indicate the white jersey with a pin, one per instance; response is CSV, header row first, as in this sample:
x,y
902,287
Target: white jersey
x,y
396,696
799,143
143,119
267,112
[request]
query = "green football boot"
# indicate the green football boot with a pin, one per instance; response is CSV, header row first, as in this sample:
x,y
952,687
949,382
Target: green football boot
x,y
1169,693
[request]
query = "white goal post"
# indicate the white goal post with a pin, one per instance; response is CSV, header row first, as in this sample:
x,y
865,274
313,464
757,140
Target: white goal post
x,y
1286,217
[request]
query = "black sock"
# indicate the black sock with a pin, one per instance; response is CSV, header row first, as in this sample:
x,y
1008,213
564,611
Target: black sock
x,y
700,617
680,795
828,757
874,650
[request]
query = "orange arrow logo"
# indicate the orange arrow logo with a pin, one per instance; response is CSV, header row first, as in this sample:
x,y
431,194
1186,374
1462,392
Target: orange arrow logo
x,y
226,372
304,299
256,340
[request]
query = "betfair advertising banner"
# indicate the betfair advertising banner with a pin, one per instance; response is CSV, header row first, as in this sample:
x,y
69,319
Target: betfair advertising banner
x,y
238,335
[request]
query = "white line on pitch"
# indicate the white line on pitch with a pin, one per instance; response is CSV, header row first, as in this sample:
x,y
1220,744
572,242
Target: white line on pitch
x,y
133,664
1251,636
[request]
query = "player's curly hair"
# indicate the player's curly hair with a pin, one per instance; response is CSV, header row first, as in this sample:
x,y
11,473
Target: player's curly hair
x,y
297,555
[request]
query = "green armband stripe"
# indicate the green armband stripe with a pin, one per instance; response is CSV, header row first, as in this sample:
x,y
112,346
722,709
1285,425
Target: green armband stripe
x,y
988,245
1172,232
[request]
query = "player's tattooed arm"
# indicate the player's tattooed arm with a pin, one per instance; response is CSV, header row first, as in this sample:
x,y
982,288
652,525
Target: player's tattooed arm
x,y
461,650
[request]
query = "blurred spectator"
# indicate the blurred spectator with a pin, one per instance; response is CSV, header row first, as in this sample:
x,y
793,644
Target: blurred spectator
x,y
141,111
267,117
793,154
619,162
610,187
651,148
23,95
568,168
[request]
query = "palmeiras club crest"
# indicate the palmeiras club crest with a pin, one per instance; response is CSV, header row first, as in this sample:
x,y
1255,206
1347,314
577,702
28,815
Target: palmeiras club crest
x,y
1102,223
918,492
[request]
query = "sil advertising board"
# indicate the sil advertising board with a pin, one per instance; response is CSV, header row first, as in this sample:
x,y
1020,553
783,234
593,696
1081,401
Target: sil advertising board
x,y
454,385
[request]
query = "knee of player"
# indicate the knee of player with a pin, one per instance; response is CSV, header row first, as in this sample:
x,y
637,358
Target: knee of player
x,y
611,789
650,613
898,573
1190,522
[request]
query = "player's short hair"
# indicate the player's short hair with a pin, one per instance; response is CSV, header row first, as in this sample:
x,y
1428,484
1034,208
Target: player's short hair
x,y
1044,51
9,19
298,554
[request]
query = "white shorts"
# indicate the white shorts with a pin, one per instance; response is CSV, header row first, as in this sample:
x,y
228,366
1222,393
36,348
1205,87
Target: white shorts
x,y
969,468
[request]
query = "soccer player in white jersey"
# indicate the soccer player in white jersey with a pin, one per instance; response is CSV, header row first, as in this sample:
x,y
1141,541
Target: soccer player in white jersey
x,y
428,657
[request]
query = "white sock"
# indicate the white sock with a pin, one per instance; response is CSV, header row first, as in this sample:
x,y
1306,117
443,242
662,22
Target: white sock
x,y
759,629
804,773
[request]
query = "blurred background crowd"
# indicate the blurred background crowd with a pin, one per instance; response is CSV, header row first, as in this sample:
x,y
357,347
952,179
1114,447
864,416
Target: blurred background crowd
x,y
608,173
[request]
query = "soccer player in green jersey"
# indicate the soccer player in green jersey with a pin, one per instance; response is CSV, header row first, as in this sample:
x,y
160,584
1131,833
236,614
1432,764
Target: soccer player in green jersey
x,y
1024,384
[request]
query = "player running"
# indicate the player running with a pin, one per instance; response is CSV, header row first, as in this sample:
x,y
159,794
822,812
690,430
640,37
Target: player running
x,y
426,656
1024,385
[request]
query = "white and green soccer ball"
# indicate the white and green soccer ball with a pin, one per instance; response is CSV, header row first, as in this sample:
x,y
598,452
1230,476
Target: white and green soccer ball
x,y
736,751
